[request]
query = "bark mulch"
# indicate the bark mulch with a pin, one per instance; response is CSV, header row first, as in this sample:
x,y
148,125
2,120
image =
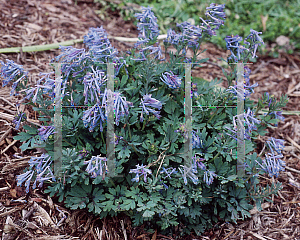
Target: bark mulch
x,y
37,216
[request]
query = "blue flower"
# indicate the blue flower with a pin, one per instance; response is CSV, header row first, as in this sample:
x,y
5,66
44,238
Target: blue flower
x,y
99,45
174,38
140,171
121,106
148,102
276,145
18,119
255,41
172,80
92,84
93,117
96,166
233,44
11,71
42,169
149,50
189,172
217,15
209,177
272,165
45,132
147,24
168,171
199,163
249,121
196,141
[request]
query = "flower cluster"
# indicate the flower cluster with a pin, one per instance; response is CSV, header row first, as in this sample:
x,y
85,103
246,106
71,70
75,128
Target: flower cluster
x,y
140,171
18,119
93,117
191,34
99,45
247,88
148,102
96,166
172,80
42,171
92,84
148,27
12,71
147,24
249,121
45,132
240,52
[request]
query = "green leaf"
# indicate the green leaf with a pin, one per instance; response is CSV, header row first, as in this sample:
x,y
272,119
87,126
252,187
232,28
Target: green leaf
x,y
148,213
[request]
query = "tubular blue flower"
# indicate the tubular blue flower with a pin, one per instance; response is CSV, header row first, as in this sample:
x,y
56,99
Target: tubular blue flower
x,y
272,165
121,106
147,24
99,45
69,54
172,80
41,166
209,177
150,102
199,163
255,41
45,132
12,71
168,172
233,44
18,119
250,120
140,171
174,38
276,145
25,177
149,50
196,141
92,84
93,117
96,166
217,15
278,115
189,172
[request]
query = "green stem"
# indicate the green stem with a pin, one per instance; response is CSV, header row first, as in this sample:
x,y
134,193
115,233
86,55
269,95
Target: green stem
x,y
129,129
38,48
144,124
68,143
102,137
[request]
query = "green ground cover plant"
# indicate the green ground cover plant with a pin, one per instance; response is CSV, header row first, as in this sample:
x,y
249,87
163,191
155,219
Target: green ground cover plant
x,y
156,182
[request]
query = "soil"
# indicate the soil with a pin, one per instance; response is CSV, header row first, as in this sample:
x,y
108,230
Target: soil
x,y
34,215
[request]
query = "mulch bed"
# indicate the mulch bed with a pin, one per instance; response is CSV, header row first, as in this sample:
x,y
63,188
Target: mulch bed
x,y
36,215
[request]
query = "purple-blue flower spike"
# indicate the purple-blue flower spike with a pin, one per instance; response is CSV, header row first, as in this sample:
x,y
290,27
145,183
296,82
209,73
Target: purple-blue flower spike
x,y
209,177
96,166
168,172
99,45
140,171
148,102
10,71
18,119
172,80
147,24
93,117
45,132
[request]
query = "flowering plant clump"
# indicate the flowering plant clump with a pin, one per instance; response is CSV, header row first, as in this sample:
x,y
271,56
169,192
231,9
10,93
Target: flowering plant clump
x,y
152,181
